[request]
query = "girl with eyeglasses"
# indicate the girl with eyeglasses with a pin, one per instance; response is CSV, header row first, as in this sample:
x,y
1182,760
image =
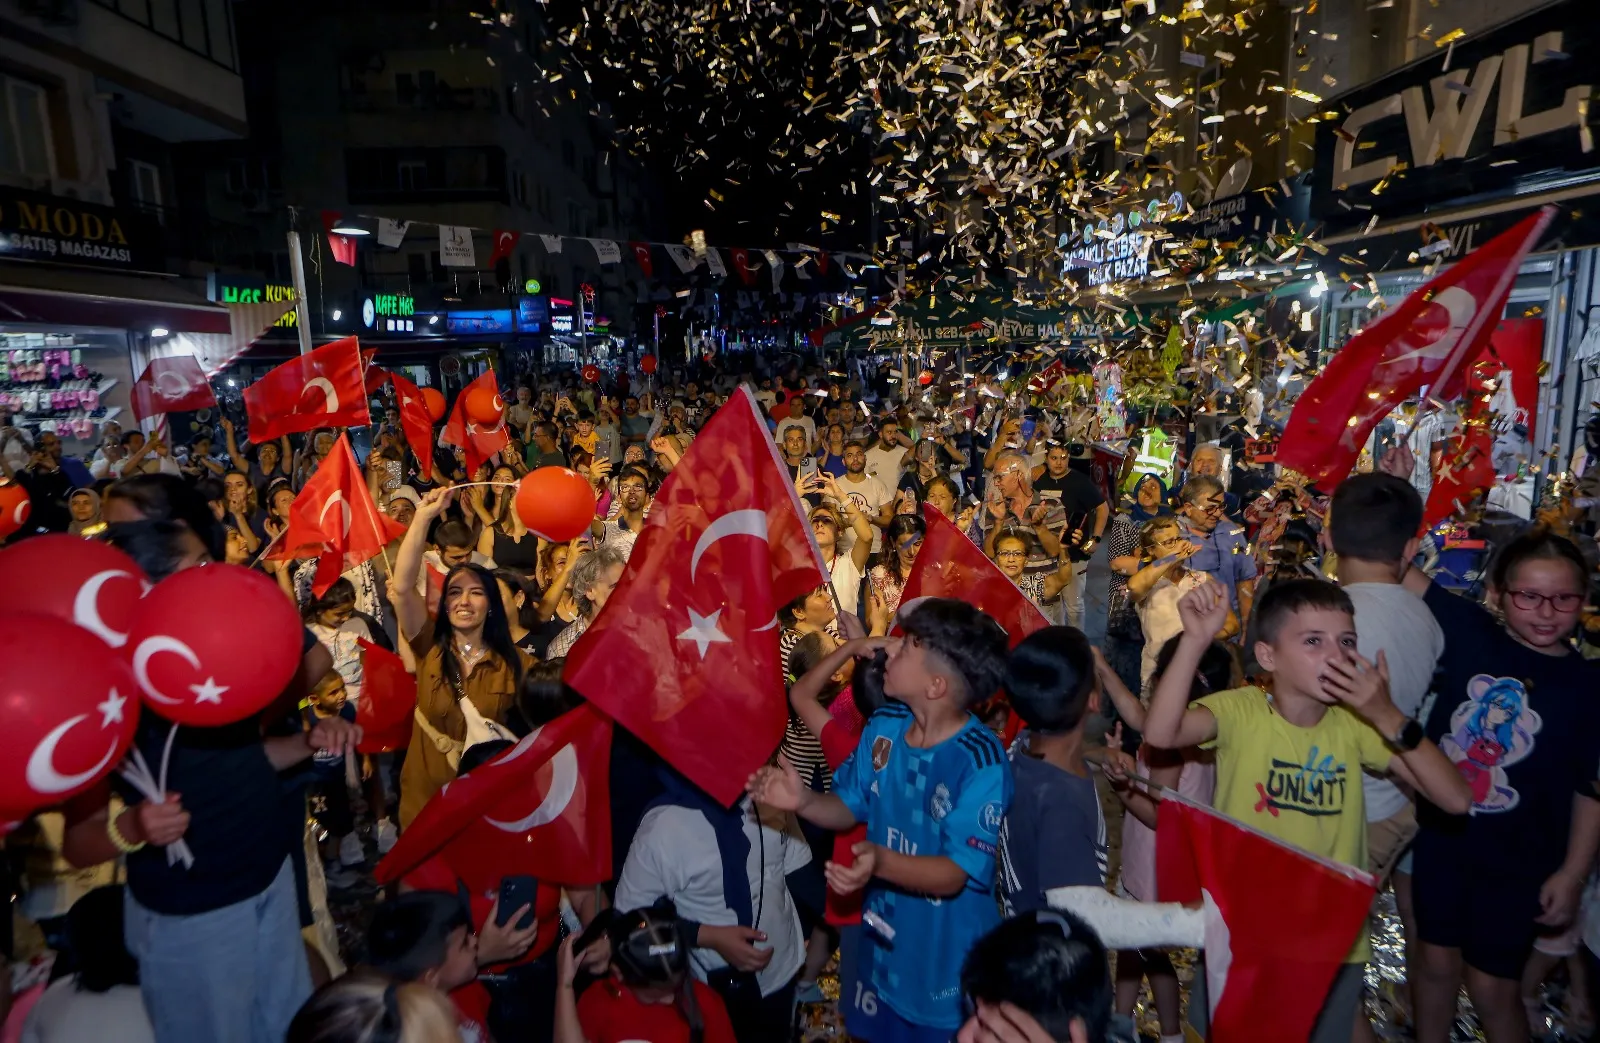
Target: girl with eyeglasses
x,y
1515,709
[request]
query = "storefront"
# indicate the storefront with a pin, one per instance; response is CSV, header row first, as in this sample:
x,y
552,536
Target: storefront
x,y
82,301
1427,163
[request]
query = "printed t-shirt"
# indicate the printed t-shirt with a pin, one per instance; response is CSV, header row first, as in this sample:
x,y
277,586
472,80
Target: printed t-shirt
x,y
948,799
1301,785
1523,728
609,1013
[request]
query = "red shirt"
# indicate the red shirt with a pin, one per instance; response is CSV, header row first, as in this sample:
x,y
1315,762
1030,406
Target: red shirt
x,y
610,1013
472,1012
838,743
436,875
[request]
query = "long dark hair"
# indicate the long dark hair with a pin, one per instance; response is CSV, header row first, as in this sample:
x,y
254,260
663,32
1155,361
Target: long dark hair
x,y
900,526
496,630
168,498
649,951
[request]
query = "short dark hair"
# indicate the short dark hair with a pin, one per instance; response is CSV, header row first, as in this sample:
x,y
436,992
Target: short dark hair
x,y
453,533
1537,544
967,638
854,443
1283,600
168,498
544,696
340,594
546,428
409,934
1049,676
1374,517
1216,673
584,414
786,614
1051,965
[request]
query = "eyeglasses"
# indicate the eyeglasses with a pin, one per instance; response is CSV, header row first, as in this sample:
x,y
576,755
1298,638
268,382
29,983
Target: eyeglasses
x,y
1214,507
1530,600
1010,554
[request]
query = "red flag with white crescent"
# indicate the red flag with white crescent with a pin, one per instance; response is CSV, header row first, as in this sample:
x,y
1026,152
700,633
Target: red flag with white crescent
x,y
323,388
641,253
505,241
1424,341
388,699
725,546
415,422
478,442
951,566
540,809
334,520
174,384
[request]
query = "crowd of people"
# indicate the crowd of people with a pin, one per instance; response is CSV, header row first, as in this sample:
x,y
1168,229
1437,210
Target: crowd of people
x,y
1244,640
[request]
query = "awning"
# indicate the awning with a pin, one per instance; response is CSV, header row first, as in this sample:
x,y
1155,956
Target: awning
x,y
111,300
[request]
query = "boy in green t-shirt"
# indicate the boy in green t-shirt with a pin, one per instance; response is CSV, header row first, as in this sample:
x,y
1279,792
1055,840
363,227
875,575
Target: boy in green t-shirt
x,y
1289,763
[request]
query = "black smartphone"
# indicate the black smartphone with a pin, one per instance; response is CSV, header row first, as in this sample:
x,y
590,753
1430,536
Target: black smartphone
x,y
516,892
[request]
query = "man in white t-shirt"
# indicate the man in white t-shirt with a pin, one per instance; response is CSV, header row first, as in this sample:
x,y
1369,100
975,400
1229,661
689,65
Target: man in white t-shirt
x,y
1372,522
885,456
797,418
874,497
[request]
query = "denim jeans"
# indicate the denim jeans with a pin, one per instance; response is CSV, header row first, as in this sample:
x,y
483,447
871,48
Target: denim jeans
x,y
231,975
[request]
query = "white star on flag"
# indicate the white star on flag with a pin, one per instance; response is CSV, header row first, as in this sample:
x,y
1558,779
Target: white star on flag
x,y
210,692
703,632
111,709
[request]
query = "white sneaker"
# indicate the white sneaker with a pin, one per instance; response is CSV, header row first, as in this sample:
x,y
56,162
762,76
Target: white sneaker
x,y
387,835
350,852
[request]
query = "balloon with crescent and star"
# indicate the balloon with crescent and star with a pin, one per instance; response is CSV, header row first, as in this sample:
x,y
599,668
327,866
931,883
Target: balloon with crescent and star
x,y
85,582
15,506
68,711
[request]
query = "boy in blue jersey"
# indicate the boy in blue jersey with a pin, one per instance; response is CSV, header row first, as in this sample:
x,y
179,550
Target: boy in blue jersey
x,y
932,785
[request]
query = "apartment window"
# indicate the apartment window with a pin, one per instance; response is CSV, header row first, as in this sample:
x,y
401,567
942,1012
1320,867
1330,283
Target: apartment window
x,y
144,184
25,146
204,27
411,175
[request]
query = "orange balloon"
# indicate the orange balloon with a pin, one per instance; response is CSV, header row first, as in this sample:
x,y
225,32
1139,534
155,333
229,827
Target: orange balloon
x,y
433,398
484,406
14,507
555,503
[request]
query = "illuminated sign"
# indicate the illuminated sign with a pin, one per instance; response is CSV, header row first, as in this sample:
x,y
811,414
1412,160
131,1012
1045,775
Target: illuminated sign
x,y
246,289
560,323
1118,247
532,315
475,322
531,286
390,313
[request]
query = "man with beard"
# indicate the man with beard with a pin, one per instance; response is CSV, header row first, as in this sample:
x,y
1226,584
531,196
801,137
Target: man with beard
x,y
873,497
1086,516
884,459
628,510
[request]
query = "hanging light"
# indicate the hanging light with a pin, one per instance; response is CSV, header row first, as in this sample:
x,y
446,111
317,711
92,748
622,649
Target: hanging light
x,y
345,226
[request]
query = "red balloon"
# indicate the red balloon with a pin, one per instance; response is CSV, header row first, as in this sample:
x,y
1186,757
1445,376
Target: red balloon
x,y
555,503
86,582
591,373
484,406
14,507
67,711
924,378
200,666
433,398
647,363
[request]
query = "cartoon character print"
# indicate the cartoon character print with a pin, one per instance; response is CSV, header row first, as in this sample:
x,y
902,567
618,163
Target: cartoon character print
x,y
1491,731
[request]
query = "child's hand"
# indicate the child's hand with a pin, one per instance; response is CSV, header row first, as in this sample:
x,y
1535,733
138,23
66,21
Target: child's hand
x,y
1558,899
1360,685
1204,610
566,962
778,786
847,880
498,942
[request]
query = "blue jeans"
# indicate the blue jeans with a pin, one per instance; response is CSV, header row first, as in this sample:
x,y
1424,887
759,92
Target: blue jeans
x,y
232,975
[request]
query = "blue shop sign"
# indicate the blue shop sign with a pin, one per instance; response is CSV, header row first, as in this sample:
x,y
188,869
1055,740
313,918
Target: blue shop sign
x,y
532,314
474,322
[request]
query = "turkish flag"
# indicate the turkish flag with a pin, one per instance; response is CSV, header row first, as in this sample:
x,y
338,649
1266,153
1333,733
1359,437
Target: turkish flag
x,y
480,443
174,384
505,241
741,261
724,547
540,809
641,253
416,422
321,389
356,532
373,377
951,566
388,698
1503,393
1424,341
343,247
1280,921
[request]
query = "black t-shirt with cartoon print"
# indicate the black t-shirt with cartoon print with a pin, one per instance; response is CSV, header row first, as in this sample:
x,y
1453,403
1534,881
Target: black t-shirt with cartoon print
x,y
1523,729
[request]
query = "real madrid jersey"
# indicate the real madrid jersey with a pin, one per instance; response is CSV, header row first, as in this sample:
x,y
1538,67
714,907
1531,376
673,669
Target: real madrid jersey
x,y
945,800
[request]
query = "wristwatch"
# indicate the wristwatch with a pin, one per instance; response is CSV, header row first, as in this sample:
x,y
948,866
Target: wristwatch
x,y
1409,737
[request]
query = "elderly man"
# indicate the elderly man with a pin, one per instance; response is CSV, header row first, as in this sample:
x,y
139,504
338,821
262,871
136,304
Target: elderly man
x,y
1013,506
1223,551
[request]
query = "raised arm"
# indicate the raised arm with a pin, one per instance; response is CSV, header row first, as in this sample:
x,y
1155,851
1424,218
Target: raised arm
x,y
805,693
232,443
411,609
1170,722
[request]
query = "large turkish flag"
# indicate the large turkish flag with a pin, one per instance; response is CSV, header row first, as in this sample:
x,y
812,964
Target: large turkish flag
x,y
324,388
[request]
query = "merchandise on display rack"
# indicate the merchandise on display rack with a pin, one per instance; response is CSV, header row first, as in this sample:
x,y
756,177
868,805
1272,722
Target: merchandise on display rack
x,y
66,382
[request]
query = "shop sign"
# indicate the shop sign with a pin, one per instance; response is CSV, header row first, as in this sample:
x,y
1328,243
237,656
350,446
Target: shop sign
x,y
1509,105
38,227
560,323
389,313
479,322
532,314
251,289
1116,248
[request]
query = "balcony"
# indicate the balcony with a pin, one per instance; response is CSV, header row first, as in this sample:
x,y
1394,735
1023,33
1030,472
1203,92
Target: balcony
x,y
432,98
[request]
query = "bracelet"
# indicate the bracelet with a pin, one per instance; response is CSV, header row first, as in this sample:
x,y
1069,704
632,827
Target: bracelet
x,y
117,839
